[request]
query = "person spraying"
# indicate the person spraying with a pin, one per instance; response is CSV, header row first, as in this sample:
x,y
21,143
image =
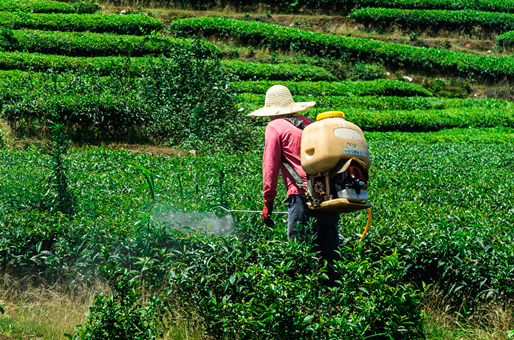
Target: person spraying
x,y
283,137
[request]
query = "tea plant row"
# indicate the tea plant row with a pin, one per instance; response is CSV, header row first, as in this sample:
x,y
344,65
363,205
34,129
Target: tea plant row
x,y
48,6
463,20
372,102
138,24
15,84
277,37
89,44
104,116
135,65
285,72
380,87
478,5
417,120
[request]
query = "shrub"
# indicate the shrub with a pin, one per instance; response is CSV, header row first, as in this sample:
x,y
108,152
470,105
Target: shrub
x,y
363,71
64,197
452,88
190,101
86,7
121,315
505,41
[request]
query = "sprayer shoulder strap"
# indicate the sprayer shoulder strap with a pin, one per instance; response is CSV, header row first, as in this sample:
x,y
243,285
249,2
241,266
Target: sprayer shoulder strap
x,y
297,122
294,173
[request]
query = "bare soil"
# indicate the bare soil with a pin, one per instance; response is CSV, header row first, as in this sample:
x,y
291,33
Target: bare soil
x,y
149,149
5,337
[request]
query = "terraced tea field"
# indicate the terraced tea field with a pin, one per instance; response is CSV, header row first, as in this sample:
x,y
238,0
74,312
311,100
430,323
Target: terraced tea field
x,y
123,134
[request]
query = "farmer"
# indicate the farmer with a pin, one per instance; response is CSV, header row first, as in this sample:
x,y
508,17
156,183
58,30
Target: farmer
x,y
282,150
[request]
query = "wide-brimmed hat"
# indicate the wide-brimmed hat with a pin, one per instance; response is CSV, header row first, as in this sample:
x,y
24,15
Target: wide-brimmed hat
x,y
279,101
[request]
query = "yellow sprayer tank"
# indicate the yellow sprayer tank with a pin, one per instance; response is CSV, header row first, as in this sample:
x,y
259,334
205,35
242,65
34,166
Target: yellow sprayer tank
x,y
329,140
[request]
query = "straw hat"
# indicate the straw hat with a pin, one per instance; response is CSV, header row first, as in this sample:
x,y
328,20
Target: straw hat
x,y
279,101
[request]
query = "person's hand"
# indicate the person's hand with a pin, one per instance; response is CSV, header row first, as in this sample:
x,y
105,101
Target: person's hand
x,y
266,214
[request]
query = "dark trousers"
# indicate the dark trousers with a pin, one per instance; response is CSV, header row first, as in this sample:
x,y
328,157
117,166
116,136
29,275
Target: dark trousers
x,y
304,224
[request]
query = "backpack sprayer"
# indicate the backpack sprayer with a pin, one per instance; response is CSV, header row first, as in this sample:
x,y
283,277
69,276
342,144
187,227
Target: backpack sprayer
x,y
335,156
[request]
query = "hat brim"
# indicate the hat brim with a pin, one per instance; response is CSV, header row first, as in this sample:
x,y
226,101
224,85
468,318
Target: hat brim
x,y
280,111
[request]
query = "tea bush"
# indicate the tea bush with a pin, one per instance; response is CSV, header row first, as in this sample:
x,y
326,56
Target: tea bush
x,y
86,6
107,117
504,41
435,199
272,36
48,6
461,20
100,23
58,63
458,227
121,315
431,120
87,118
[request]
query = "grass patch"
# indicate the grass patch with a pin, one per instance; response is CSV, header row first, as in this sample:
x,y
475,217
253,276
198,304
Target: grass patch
x,y
495,322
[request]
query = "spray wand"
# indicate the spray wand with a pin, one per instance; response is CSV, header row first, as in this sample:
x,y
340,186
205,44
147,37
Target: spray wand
x,y
248,211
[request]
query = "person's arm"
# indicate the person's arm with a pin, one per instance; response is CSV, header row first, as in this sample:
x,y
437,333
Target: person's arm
x,y
271,160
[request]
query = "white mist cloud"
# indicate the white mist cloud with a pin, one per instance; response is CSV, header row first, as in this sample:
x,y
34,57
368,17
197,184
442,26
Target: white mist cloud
x,y
198,220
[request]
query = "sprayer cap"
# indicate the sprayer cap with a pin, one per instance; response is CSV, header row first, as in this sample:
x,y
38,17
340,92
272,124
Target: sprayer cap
x,y
330,114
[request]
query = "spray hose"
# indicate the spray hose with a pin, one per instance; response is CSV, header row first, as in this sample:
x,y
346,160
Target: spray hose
x,y
367,225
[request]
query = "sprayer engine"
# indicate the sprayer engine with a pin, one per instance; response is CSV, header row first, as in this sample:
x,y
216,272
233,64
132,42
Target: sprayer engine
x,y
351,184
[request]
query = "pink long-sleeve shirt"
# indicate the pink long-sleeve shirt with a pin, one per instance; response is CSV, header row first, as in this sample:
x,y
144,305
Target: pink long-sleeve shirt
x,y
282,137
